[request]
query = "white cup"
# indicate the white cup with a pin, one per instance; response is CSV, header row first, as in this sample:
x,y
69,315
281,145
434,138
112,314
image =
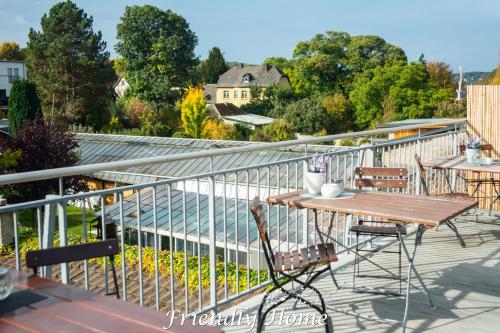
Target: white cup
x,y
331,190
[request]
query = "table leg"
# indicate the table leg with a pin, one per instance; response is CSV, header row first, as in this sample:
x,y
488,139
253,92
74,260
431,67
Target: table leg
x,y
453,227
322,240
448,181
411,268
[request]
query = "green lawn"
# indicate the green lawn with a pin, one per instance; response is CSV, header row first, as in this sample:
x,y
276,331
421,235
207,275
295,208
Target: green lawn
x,y
74,215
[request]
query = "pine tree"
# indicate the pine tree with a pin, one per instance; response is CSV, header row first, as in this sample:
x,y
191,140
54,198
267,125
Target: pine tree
x,y
213,66
24,105
68,62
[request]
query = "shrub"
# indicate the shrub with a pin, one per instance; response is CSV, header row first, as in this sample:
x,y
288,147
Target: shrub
x,y
24,105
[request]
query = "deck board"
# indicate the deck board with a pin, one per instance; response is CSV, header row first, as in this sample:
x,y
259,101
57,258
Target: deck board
x,y
465,285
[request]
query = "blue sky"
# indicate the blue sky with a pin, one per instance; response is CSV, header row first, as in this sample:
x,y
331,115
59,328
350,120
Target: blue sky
x,y
459,32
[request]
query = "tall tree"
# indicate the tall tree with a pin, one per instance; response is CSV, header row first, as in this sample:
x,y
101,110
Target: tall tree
x,y
68,62
307,115
24,105
329,62
158,51
193,112
213,66
339,111
395,92
11,51
441,74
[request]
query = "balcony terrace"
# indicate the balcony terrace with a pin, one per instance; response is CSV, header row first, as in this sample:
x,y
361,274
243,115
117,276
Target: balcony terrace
x,y
190,243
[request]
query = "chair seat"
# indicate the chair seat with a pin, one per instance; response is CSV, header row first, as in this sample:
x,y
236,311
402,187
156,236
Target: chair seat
x,y
306,257
378,230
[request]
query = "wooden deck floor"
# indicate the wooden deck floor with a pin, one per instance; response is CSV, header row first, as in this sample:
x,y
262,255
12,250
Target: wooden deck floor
x,y
464,283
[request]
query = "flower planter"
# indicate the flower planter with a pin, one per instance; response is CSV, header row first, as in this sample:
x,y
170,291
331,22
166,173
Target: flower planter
x,y
472,154
313,181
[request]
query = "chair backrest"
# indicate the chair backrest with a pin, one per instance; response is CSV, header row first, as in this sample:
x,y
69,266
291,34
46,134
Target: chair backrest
x,y
484,147
421,170
387,178
59,255
261,221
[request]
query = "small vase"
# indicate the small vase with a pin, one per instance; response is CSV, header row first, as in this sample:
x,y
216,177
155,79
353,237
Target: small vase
x,y
313,182
472,154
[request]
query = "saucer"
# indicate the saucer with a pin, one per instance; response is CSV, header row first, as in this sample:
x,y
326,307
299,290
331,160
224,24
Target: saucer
x,y
343,195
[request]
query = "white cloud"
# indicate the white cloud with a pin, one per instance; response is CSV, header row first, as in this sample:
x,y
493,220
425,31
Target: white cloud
x,y
19,19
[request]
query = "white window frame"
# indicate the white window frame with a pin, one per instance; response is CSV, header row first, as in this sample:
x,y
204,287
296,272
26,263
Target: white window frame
x,y
246,78
226,94
244,94
235,94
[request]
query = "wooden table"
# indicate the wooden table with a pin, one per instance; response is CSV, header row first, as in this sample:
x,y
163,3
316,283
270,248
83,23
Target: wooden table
x,y
69,309
425,211
460,163
428,211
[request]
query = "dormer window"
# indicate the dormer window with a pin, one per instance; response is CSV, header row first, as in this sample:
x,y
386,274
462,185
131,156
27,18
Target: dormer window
x,y
246,78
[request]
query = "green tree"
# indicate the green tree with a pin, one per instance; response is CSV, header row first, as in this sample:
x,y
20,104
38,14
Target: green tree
x,y
193,112
307,115
264,100
278,130
339,110
280,62
158,51
440,74
320,63
330,62
68,62
11,51
367,52
24,105
395,92
213,66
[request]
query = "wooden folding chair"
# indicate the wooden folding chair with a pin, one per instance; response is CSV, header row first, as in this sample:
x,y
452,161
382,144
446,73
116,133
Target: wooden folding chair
x,y
380,179
449,195
290,266
107,248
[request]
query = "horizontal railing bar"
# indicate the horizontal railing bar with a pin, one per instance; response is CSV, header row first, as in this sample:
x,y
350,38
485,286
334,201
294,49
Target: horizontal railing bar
x,y
90,168
80,196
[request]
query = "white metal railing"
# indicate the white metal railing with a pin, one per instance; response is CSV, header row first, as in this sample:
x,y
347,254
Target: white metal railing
x,y
204,222
90,168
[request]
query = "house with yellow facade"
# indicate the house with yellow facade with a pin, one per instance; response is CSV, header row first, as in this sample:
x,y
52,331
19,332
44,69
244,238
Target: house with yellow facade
x,y
234,85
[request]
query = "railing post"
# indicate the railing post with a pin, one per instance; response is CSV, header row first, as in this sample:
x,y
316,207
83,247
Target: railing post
x,y
417,170
63,238
6,225
211,236
49,222
454,152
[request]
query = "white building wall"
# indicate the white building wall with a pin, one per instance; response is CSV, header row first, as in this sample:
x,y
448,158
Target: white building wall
x,y
8,71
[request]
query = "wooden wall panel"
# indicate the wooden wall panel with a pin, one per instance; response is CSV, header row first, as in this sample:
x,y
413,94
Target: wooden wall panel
x,y
483,116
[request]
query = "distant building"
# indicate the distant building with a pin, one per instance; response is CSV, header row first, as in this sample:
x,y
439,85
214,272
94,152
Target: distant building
x,y
234,85
428,124
4,130
231,114
9,71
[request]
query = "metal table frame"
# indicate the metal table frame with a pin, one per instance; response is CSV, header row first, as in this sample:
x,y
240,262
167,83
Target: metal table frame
x,y
428,220
411,257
